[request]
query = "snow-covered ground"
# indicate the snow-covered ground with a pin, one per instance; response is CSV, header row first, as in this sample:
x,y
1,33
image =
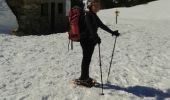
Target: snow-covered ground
x,y
41,68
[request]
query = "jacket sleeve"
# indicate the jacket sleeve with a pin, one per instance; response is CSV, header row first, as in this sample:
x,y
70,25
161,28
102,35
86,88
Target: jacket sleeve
x,y
101,25
88,20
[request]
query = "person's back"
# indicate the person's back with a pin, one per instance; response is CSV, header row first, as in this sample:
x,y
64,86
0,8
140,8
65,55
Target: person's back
x,y
91,25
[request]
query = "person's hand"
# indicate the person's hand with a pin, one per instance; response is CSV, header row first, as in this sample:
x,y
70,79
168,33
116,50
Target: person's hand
x,y
116,33
97,40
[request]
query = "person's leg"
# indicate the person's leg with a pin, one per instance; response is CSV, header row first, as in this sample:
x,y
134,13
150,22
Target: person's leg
x,y
87,48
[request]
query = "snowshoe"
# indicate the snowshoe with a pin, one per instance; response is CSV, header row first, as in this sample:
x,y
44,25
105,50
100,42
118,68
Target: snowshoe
x,y
86,83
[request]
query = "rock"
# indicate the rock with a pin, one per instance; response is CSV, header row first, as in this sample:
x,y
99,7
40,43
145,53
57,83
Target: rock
x,y
31,20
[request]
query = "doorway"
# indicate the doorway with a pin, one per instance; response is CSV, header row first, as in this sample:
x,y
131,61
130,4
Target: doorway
x,y
53,16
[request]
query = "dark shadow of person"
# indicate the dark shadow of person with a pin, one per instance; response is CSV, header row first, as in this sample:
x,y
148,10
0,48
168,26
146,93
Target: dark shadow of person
x,y
140,91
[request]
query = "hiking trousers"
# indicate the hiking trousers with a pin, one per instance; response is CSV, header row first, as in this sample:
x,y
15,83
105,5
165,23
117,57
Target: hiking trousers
x,y
88,46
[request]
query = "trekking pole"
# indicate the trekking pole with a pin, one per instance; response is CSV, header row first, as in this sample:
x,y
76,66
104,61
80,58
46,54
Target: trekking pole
x,y
111,60
100,64
68,44
71,45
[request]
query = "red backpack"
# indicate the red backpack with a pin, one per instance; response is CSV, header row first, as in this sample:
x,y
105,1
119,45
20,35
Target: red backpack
x,y
74,32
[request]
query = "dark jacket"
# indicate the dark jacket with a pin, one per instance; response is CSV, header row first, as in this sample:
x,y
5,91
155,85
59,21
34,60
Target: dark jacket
x,y
92,23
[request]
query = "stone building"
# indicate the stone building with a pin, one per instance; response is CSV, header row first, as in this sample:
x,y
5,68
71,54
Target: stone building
x,y
37,17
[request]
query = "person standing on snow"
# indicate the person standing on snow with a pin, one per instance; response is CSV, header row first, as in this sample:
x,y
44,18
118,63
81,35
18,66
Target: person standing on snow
x,y
88,40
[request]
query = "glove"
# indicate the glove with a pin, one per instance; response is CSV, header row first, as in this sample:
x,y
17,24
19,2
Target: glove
x,y
97,40
116,33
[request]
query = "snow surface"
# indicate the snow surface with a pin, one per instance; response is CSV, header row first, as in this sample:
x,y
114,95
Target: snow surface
x,y
41,68
157,10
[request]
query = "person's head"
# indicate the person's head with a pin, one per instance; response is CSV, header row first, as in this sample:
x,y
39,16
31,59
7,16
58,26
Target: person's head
x,y
93,5
78,3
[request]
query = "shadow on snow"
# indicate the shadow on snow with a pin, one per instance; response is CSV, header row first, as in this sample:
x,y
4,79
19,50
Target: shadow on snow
x,y
141,91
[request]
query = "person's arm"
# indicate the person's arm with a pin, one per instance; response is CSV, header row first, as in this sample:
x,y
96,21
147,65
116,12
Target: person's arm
x,y
104,27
